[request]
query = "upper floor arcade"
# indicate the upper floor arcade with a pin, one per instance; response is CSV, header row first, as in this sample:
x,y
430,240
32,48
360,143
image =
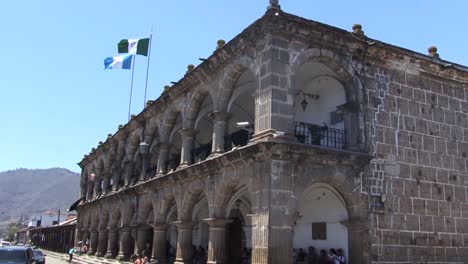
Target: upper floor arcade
x,y
277,80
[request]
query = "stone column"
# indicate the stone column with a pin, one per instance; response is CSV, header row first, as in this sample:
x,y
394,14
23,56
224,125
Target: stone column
x,y
112,242
105,185
89,190
142,238
272,236
159,244
144,150
115,179
217,240
144,167
163,152
93,242
357,240
125,249
102,243
184,251
128,169
219,131
274,99
97,186
188,135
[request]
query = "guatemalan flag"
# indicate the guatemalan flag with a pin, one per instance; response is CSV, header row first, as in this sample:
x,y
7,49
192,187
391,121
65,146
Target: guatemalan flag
x,y
119,62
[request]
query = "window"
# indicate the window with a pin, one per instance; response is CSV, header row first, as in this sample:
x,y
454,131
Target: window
x,y
319,231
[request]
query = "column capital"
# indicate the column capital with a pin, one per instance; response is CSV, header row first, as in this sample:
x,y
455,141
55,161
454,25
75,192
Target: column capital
x,y
187,131
217,222
125,228
219,116
355,225
159,227
183,225
112,229
163,145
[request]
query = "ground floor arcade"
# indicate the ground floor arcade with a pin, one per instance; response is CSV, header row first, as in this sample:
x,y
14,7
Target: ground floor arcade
x,y
265,211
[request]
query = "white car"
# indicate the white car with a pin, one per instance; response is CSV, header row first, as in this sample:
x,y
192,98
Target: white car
x,y
5,243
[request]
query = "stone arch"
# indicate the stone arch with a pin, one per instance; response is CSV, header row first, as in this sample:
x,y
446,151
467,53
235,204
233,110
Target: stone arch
x,y
133,141
169,120
340,179
163,201
127,211
95,219
339,112
114,217
190,197
103,218
230,77
87,219
337,64
120,155
193,107
322,207
200,227
151,130
239,194
146,207
223,195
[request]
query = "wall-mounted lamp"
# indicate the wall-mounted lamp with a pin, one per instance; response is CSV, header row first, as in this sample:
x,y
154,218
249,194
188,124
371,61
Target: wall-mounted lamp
x,y
144,147
311,96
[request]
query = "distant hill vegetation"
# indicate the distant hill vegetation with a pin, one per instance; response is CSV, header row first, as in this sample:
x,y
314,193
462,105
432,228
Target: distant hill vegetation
x,y
24,192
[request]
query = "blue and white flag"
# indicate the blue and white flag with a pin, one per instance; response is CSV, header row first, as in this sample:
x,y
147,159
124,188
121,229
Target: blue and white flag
x,y
119,62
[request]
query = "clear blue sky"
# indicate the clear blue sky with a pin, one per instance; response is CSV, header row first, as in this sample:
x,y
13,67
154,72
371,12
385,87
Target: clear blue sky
x,y
57,102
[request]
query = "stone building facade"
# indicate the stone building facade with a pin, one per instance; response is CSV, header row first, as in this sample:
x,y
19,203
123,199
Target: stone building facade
x,y
293,134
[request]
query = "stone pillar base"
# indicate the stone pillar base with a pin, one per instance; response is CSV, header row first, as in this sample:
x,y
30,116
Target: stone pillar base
x,y
109,256
122,258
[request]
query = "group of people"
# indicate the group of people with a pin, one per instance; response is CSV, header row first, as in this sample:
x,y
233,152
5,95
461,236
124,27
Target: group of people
x,y
139,259
311,257
200,255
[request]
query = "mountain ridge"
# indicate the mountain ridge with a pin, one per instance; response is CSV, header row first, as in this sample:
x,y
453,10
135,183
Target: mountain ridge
x,y
28,192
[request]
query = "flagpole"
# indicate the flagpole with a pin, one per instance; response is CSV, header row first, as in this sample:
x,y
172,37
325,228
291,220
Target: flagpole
x,y
147,66
131,87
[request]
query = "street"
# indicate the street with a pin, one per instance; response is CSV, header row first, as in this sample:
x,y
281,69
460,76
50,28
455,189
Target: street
x,y
54,259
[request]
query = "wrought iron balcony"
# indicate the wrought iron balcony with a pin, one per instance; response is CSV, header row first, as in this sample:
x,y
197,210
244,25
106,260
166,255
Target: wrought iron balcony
x,y
202,152
236,139
319,135
173,163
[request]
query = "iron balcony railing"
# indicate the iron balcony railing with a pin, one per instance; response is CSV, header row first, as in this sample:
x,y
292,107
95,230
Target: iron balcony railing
x,y
320,135
202,152
173,162
237,139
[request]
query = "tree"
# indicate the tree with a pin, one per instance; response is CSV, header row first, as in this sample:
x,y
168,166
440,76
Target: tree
x,y
12,229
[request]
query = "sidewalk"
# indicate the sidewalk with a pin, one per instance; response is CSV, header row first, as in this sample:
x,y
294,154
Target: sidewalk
x,y
83,259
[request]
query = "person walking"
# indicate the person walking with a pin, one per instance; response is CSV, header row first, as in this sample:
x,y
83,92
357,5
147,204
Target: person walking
x,y
70,253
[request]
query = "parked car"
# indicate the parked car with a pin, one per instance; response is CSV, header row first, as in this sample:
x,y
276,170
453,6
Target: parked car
x,y
5,243
39,257
16,255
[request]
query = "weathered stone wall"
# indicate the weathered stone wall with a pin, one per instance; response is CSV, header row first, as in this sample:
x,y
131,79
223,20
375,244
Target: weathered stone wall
x,y
418,179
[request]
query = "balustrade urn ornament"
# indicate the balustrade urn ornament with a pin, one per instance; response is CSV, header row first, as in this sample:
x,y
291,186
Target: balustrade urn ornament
x,y
220,43
109,136
190,68
433,52
148,103
357,29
